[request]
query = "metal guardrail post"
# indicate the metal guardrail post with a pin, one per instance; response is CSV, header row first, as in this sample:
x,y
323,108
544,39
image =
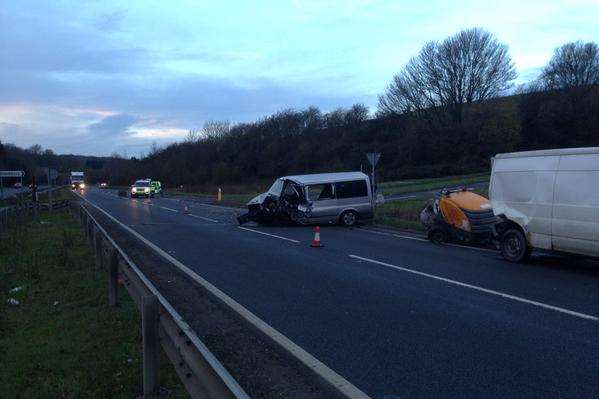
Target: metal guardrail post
x,y
98,248
113,275
151,344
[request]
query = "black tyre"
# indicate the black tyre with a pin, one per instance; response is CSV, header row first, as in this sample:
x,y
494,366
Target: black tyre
x,y
437,235
348,218
514,246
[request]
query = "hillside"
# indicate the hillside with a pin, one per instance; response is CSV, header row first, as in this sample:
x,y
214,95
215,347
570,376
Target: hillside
x,y
306,141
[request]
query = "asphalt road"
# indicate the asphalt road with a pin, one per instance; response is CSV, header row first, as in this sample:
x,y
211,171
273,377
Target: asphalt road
x,y
395,315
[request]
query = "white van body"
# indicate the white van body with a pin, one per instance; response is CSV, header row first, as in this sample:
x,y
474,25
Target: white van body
x,y
553,195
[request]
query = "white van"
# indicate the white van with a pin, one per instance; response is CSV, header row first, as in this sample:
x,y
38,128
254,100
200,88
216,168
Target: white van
x,y
548,200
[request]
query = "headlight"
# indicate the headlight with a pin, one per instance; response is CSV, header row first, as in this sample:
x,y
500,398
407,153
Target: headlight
x,y
82,185
132,190
146,190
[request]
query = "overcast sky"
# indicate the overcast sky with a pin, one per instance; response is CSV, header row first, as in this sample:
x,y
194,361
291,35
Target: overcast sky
x,y
94,77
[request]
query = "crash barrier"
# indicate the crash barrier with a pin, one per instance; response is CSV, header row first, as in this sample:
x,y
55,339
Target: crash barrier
x,y
54,205
201,373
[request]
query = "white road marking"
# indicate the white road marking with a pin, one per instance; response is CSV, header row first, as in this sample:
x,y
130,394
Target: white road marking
x,y
401,198
219,206
481,289
395,235
268,234
426,240
168,209
204,218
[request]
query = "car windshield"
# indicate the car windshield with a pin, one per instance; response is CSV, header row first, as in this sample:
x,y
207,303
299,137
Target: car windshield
x,y
276,188
142,184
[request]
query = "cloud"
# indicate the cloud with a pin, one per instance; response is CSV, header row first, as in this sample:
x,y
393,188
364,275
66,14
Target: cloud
x,y
141,73
111,126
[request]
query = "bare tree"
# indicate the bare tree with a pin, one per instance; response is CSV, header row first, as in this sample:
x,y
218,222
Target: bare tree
x,y
192,136
572,65
215,129
358,113
466,67
35,149
154,149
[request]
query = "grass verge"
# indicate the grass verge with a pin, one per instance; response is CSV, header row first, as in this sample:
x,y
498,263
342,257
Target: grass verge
x,y
62,340
410,186
400,214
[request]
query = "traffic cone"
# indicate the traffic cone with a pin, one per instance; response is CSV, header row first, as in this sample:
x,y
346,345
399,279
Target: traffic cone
x,y
186,210
316,241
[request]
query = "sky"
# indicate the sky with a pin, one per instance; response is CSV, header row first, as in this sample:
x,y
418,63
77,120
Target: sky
x,y
98,77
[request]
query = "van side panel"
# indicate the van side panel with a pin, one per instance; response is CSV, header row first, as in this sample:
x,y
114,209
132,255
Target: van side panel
x,y
360,201
522,190
576,209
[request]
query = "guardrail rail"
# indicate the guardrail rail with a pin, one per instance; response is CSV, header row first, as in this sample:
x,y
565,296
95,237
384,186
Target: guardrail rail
x,y
201,373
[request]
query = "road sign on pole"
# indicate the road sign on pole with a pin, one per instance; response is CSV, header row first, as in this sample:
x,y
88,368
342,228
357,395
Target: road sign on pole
x,y
12,173
9,173
373,158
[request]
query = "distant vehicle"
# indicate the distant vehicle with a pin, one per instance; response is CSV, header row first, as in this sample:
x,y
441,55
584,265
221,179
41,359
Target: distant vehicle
x,y
77,180
343,198
547,200
460,215
146,188
103,185
155,187
18,185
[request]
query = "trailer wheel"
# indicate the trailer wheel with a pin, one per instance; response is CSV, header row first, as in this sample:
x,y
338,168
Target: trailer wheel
x,y
437,235
514,246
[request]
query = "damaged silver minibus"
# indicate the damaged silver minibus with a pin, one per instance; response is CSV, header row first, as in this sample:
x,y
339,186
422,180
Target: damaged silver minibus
x,y
343,198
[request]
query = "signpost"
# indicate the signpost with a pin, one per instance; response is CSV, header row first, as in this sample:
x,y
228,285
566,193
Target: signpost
x,y
52,174
10,173
373,158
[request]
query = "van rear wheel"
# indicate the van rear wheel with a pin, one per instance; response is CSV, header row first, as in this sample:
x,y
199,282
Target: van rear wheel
x,y
514,246
348,218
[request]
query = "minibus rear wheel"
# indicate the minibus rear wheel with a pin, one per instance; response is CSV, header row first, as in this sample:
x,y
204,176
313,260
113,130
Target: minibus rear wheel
x,y
348,218
514,246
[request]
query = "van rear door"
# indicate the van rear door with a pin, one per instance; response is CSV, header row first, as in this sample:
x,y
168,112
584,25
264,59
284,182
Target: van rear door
x,y
575,225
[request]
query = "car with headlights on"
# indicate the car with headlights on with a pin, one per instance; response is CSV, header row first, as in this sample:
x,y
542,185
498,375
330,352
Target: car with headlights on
x,y
141,188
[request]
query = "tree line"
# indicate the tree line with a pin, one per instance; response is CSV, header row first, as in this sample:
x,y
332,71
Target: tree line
x,y
447,111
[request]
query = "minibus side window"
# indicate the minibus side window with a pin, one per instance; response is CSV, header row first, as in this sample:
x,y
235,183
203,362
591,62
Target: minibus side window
x,y
351,189
319,192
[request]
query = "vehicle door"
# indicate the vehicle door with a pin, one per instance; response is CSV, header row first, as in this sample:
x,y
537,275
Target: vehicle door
x,y
322,201
575,224
354,195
